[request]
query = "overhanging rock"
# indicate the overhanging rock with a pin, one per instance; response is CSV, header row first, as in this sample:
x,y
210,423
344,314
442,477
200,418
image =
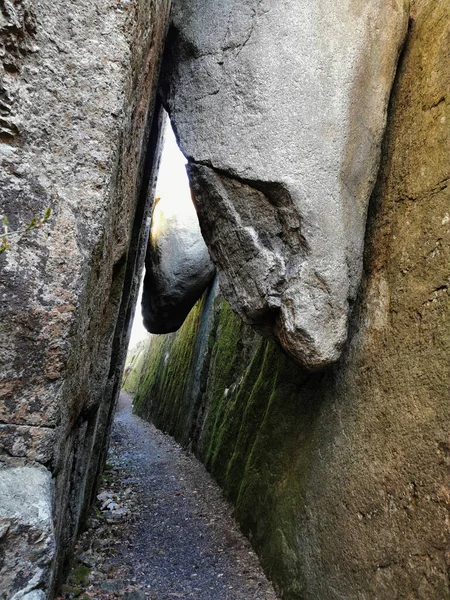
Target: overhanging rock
x,y
281,112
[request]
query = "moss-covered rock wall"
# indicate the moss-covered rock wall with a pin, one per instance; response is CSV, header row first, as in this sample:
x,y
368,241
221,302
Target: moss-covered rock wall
x,y
341,478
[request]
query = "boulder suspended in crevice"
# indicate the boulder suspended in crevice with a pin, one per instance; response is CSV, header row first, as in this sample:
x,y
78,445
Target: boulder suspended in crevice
x,y
280,110
178,268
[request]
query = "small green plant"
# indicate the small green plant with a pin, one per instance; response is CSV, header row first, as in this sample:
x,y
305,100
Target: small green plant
x,y
6,235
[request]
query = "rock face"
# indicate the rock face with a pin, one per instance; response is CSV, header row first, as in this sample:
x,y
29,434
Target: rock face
x,y
78,83
26,530
281,111
178,268
341,477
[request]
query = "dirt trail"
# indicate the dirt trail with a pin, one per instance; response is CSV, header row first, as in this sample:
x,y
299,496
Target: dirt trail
x,y
162,529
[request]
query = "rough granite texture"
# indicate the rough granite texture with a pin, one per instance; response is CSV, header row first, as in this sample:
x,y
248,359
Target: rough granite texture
x,y
280,109
27,539
341,478
78,83
178,268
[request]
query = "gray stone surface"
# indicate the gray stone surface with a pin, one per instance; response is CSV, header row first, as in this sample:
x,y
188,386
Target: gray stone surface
x,y
280,109
178,266
35,595
26,531
77,92
342,478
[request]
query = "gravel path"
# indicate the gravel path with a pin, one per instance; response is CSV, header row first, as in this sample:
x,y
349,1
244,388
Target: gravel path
x,y
162,529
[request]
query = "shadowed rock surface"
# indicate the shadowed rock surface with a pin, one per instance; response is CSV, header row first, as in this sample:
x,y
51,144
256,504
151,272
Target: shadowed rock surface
x,y
77,95
178,268
280,109
341,478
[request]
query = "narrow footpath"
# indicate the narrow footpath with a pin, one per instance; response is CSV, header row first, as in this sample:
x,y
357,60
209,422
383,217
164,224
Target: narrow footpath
x,y
161,529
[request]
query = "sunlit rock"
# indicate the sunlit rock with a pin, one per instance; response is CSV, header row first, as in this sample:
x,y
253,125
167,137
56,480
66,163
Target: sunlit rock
x,y
280,110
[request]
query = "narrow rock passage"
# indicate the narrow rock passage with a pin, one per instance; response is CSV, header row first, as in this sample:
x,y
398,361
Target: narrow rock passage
x,y
162,530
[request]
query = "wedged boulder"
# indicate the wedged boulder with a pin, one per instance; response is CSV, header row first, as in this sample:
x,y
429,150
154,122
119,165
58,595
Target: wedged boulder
x,y
178,268
280,110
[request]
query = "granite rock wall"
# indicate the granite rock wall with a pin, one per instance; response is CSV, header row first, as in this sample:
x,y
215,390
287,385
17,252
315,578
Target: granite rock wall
x,y
341,477
77,98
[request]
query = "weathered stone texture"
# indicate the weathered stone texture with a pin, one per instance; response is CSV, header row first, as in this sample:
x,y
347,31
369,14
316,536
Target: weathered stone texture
x,y
26,530
17,32
280,110
78,82
178,268
35,443
342,478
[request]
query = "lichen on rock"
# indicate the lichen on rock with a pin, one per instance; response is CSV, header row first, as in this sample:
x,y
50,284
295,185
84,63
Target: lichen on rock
x,y
27,540
340,477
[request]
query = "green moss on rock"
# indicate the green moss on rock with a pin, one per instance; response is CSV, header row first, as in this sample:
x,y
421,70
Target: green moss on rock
x,y
162,385
340,478
133,367
248,426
